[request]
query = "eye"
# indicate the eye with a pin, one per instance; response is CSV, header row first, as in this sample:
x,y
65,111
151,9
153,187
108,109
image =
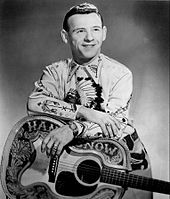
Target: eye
x,y
96,29
80,31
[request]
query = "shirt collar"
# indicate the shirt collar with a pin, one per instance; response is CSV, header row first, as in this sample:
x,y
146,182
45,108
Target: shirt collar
x,y
73,66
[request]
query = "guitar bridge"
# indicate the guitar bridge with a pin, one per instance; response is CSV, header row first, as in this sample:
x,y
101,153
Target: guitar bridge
x,y
52,170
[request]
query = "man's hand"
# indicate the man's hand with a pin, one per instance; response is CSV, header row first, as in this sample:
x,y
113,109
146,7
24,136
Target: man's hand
x,y
54,142
109,125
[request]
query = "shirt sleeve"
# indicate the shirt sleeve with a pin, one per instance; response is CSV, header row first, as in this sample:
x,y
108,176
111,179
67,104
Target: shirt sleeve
x,y
117,106
48,96
119,99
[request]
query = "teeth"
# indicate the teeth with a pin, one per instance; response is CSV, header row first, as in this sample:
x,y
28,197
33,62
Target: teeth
x,y
88,45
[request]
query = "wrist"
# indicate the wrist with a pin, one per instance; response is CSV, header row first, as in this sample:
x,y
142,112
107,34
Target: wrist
x,y
80,112
83,113
74,128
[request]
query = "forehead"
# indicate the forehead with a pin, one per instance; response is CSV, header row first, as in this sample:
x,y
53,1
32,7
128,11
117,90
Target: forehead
x,y
84,20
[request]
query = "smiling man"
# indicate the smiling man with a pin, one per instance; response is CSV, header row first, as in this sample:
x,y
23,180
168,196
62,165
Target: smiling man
x,y
90,91
85,34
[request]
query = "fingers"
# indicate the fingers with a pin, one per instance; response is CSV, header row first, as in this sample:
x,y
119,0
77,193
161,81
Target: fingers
x,y
54,142
44,143
60,148
47,145
53,147
57,149
111,127
104,130
111,130
115,122
51,144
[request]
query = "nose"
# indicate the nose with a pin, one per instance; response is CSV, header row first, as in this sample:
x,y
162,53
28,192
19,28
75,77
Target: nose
x,y
89,36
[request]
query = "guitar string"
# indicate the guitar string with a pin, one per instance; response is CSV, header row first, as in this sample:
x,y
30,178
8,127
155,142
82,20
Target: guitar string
x,y
107,173
90,168
132,180
122,176
92,172
69,165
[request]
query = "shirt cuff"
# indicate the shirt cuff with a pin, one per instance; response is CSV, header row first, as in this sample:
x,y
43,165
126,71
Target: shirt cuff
x,y
77,127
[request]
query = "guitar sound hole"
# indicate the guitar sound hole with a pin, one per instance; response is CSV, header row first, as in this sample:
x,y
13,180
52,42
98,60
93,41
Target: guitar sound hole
x,y
88,171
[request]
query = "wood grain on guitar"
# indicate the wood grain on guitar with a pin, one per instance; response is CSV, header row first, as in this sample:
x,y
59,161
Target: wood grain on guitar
x,y
87,168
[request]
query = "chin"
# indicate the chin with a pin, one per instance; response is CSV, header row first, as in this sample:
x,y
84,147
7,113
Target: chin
x,y
90,55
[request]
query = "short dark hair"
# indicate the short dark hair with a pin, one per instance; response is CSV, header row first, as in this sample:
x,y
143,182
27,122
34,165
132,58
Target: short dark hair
x,y
84,8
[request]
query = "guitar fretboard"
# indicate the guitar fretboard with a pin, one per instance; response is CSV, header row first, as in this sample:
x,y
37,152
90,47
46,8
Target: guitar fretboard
x,y
121,178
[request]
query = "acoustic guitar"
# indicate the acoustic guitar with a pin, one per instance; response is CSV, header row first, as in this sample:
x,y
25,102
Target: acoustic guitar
x,y
87,168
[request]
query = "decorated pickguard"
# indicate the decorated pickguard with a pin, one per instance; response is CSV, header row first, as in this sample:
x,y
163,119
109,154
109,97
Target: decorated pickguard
x,y
24,172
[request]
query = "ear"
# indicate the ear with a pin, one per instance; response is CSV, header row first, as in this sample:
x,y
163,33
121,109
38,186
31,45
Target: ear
x,y
104,32
64,36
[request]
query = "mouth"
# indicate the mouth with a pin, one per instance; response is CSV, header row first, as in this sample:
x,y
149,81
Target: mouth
x,y
88,45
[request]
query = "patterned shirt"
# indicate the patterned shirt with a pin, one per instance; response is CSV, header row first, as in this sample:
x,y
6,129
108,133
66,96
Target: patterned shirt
x,y
104,85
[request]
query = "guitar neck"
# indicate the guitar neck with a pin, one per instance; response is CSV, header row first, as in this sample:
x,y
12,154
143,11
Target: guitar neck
x,y
117,177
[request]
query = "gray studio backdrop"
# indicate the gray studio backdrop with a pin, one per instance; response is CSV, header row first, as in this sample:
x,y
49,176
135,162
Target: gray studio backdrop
x,y
137,37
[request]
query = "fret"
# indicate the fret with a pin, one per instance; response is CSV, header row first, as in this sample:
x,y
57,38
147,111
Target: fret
x,y
121,178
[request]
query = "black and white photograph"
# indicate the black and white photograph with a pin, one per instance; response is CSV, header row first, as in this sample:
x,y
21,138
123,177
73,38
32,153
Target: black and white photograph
x,y
84,99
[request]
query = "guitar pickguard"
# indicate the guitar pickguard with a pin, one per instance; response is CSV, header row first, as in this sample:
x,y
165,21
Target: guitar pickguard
x,y
24,171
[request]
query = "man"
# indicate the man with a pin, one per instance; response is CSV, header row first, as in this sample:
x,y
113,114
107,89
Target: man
x,y
90,91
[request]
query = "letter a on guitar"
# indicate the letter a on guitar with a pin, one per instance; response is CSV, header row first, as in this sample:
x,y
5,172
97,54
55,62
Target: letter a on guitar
x,y
87,168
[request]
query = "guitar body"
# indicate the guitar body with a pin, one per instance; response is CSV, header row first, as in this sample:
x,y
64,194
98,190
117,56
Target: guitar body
x,y
26,171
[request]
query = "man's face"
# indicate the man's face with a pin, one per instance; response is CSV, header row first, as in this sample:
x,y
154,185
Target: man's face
x,y
85,36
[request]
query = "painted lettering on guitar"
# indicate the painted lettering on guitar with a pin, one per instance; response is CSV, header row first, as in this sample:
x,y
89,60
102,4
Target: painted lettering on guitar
x,y
111,152
39,125
22,151
33,128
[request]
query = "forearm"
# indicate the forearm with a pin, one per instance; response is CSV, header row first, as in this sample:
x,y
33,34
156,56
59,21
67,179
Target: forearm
x,y
118,104
85,129
52,106
98,119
